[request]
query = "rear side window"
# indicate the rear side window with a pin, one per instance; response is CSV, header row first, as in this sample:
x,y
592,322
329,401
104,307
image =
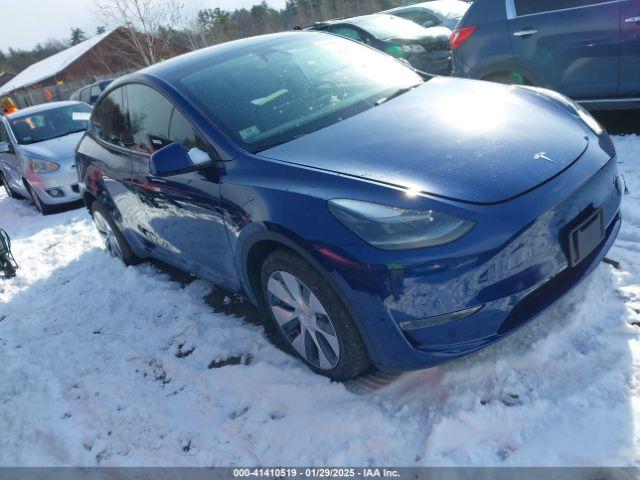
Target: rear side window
x,y
84,96
109,120
529,7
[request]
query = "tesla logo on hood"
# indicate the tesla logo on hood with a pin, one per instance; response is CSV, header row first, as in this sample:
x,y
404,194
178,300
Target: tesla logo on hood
x,y
542,156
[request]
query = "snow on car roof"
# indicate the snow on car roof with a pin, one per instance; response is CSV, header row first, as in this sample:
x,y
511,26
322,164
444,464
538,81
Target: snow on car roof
x,y
52,65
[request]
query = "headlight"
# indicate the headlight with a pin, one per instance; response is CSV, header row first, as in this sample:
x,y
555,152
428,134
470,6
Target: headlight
x,y
42,166
415,48
574,107
391,228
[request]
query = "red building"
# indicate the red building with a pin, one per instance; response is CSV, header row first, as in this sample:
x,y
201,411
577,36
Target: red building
x,y
105,56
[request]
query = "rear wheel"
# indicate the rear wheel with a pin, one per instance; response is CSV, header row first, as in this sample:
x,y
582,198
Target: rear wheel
x,y
308,314
7,188
42,207
116,244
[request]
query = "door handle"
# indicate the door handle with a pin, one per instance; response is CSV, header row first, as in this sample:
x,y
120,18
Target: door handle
x,y
525,33
632,20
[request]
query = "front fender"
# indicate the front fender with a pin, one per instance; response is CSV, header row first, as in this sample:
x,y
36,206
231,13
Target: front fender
x,y
275,236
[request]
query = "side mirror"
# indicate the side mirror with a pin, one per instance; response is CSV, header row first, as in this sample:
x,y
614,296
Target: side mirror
x,y
429,24
170,160
174,159
6,147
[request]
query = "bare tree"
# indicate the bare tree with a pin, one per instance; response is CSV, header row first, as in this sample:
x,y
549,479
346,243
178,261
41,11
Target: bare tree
x,y
147,25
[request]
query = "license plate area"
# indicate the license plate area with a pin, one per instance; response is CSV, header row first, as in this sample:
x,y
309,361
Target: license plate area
x,y
586,237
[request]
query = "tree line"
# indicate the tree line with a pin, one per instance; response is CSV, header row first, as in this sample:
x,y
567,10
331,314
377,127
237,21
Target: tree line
x,y
211,26
155,25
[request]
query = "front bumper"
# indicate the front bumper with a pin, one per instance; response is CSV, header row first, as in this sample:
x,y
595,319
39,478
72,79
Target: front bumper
x,y
64,181
514,268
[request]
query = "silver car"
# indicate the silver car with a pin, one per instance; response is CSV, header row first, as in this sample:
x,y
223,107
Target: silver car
x,y
37,152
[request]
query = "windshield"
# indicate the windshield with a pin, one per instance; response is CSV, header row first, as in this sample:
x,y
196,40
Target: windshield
x,y
384,27
49,124
268,96
452,12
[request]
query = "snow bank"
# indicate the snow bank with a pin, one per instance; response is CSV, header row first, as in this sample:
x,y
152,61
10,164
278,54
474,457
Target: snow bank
x,y
108,365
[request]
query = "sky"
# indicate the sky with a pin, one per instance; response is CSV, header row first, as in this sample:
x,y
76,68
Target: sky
x,y
34,21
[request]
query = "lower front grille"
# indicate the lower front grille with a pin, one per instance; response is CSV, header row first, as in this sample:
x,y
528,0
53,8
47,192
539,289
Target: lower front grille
x,y
555,288
75,188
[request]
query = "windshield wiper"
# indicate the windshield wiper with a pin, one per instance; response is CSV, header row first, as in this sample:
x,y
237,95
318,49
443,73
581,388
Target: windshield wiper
x,y
278,143
397,93
70,132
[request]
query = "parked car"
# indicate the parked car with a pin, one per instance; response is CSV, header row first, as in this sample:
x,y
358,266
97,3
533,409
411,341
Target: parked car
x,y
90,93
37,152
426,49
436,13
586,49
377,217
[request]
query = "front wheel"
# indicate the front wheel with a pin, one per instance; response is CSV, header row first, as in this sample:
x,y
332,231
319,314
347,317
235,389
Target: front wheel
x,y
42,207
116,244
7,188
308,314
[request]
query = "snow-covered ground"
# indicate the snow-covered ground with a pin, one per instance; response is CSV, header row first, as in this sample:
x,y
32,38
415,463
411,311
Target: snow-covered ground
x,y
102,364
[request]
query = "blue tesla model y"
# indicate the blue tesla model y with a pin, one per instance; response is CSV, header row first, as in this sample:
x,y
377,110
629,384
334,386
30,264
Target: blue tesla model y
x,y
377,216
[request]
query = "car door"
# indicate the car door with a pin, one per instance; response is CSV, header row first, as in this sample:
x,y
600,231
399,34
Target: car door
x,y
9,161
183,210
630,48
106,148
570,45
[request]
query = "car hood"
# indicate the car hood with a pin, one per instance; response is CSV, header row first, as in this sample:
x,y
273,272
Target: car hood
x,y
56,149
432,35
466,140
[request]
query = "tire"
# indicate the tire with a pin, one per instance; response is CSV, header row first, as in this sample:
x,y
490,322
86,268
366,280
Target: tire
x,y
508,78
312,321
42,207
116,244
7,188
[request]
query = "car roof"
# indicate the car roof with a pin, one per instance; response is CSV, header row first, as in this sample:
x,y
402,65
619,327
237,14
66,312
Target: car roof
x,y
43,107
351,20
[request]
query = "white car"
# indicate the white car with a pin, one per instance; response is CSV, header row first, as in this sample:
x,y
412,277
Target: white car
x,y
37,152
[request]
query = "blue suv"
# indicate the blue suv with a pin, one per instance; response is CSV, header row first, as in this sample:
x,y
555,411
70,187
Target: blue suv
x,y
330,184
588,50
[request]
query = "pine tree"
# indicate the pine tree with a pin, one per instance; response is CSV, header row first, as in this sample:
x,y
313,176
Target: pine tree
x,y
77,36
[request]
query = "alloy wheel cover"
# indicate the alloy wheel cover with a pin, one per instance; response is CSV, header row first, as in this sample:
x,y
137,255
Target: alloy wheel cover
x,y
303,320
108,235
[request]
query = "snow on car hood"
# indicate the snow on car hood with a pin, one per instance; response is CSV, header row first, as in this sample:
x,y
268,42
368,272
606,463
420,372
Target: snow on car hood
x,y
461,139
437,34
56,149
432,35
